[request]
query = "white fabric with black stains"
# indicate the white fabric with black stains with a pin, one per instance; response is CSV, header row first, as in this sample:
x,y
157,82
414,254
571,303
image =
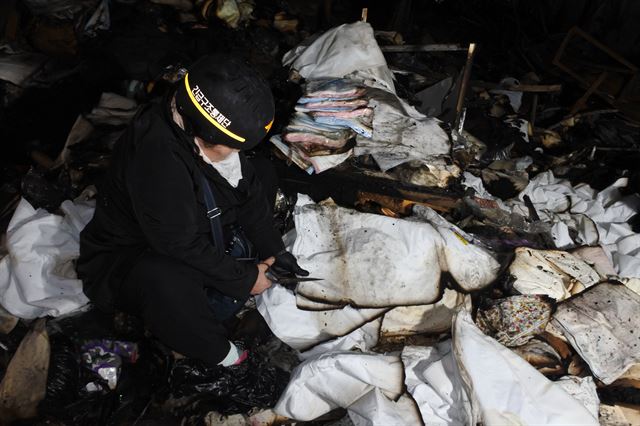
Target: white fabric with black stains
x,y
554,273
374,261
603,326
401,133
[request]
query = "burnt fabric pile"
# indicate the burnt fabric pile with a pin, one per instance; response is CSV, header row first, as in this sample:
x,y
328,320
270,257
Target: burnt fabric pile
x,y
348,85
388,334
338,102
326,120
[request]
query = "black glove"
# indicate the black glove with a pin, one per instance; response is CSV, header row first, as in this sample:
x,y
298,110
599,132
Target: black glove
x,y
286,262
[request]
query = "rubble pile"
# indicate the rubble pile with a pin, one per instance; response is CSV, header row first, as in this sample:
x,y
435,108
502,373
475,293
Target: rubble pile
x,y
473,224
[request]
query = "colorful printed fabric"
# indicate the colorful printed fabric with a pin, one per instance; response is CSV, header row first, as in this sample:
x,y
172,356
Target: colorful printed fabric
x,y
513,321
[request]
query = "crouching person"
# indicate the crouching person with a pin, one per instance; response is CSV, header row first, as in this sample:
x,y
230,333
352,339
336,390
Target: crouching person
x,y
180,204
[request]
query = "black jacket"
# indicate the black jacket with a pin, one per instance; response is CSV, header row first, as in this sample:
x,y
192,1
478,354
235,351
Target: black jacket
x,y
151,199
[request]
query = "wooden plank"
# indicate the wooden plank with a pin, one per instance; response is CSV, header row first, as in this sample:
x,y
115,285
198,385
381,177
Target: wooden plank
x,y
532,88
424,48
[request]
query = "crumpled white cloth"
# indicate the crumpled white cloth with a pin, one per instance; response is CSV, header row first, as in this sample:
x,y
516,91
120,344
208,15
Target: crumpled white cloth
x,y
364,383
434,382
349,50
38,277
506,389
599,217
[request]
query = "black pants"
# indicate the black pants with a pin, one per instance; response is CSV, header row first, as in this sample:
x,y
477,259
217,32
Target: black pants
x,y
171,298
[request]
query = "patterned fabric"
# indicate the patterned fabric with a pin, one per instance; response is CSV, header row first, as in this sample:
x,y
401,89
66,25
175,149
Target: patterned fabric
x,y
513,321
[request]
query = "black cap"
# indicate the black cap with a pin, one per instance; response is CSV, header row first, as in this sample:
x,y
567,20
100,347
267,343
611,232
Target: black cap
x,y
223,101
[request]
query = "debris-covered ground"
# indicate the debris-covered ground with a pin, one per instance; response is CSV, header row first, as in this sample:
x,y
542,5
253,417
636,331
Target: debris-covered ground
x,y
461,174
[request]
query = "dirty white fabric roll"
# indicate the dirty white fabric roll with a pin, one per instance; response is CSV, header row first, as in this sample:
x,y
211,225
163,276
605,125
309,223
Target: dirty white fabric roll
x,y
602,325
38,277
373,261
304,329
337,380
366,260
504,388
434,382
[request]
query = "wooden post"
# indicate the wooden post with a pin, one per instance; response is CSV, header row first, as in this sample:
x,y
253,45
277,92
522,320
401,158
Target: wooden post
x,y
464,83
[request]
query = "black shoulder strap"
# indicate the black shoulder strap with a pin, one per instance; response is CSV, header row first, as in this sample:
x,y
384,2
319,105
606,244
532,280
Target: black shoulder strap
x,y
213,212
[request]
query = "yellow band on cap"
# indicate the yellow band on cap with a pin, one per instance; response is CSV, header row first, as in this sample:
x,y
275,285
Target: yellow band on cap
x,y
206,115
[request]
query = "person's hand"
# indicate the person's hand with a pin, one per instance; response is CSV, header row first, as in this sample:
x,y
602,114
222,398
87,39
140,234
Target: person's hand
x,y
262,282
287,262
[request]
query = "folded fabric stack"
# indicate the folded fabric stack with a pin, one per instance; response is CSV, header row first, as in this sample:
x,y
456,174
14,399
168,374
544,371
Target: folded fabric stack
x,y
327,117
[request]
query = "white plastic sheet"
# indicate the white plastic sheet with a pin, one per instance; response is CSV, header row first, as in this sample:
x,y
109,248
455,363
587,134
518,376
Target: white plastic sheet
x,y
504,388
374,261
38,277
603,326
340,379
434,382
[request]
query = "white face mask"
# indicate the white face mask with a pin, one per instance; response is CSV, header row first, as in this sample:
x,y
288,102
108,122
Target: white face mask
x,y
229,168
